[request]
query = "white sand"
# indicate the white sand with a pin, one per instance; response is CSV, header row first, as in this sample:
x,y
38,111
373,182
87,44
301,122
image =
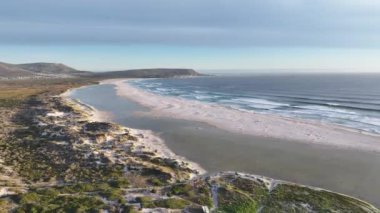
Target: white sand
x,y
56,114
147,138
155,144
273,126
93,114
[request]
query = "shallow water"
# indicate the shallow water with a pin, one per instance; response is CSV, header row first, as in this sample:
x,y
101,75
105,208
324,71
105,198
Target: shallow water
x,y
349,100
347,171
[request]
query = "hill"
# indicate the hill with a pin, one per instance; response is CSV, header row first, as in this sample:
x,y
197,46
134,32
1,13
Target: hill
x,y
148,73
57,70
13,71
48,68
38,70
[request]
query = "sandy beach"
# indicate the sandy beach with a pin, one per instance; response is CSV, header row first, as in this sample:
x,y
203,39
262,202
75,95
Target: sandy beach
x,y
148,140
216,149
272,126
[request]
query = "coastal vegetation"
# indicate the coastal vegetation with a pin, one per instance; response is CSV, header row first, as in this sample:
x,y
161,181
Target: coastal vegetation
x,y
55,158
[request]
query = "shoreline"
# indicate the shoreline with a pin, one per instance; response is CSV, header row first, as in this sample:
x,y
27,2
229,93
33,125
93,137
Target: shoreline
x,y
147,138
91,112
271,183
271,126
67,154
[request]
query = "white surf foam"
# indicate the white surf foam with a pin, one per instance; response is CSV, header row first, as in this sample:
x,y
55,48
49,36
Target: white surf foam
x,y
266,125
326,109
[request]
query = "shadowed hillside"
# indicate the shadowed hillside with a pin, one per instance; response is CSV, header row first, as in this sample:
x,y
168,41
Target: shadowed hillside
x,y
12,71
56,70
38,70
149,73
48,68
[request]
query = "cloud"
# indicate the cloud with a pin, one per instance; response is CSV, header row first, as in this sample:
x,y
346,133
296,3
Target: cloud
x,y
321,23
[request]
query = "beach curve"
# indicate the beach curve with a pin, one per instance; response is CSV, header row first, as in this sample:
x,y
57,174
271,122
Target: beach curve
x,y
148,139
272,126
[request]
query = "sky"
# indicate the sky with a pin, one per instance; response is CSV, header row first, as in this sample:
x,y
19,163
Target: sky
x,y
102,35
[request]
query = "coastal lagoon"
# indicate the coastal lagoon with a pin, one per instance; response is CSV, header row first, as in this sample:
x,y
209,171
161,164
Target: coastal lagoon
x,y
348,171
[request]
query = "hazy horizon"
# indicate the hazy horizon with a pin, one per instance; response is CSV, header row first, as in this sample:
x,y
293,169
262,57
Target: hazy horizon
x,y
205,35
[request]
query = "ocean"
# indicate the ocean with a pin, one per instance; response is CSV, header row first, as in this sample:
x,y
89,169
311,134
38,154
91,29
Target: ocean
x,y
349,100
350,171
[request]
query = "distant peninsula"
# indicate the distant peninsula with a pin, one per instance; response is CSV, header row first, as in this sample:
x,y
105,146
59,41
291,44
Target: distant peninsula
x,y
57,70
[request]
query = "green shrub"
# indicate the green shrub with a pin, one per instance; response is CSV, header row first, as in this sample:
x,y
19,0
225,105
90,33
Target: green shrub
x,y
156,182
120,182
181,189
113,194
50,192
129,209
146,202
5,205
231,200
172,203
200,195
49,200
31,197
240,207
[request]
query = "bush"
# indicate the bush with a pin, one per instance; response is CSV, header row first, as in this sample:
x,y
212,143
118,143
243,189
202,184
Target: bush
x,y
181,189
200,195
5,205
113,194
129,209
50,192
172,203
120,182
31,197
49,200
240,207
146,202
156,182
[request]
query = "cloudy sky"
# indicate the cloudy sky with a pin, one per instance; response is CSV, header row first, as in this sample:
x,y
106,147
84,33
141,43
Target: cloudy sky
x,y
336,35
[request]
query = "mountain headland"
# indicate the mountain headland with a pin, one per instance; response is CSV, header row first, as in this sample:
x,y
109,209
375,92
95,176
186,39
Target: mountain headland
x,y
57,70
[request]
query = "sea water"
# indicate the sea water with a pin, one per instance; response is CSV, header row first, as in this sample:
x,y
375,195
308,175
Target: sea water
x,y
352,172
349,100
